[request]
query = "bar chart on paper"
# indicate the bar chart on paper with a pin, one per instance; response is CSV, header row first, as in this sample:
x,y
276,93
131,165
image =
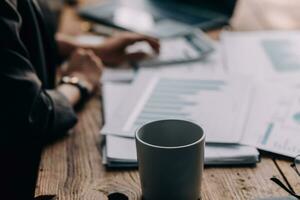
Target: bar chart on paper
x,y
283,54
174,99
121,151
266,55
218,105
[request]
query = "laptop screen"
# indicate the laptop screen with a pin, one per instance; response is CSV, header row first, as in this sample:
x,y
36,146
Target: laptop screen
x,y
223,6
161,15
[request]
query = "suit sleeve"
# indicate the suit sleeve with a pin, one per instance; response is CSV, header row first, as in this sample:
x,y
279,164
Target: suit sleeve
x,y
26,109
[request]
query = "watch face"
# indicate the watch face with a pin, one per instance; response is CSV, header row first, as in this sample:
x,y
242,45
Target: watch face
x,y
72,80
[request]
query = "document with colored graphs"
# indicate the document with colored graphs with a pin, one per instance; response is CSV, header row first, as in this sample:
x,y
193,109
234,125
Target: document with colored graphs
x,y
219,104
121,152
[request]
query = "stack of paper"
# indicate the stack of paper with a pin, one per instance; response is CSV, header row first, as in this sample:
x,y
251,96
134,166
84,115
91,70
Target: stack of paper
x,y
253,99
273,59
121,152
194,100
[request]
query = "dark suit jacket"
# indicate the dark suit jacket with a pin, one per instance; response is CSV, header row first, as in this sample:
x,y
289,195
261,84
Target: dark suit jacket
x,y
31,112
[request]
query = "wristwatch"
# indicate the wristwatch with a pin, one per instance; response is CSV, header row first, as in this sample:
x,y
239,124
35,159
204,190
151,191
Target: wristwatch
x,y
75,81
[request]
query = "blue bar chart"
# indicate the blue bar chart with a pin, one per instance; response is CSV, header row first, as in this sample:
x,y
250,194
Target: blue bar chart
x,y
170,99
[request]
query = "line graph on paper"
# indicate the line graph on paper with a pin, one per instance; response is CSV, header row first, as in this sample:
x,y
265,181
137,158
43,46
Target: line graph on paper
x,y
274,121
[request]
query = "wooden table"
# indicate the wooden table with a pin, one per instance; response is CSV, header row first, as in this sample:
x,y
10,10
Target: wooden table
x,y
72,168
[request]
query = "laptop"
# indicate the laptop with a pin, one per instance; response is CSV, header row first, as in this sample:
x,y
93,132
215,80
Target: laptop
x,y
160,18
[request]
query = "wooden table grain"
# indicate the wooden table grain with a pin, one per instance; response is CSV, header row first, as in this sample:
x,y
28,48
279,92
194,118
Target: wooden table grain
x,y
72,168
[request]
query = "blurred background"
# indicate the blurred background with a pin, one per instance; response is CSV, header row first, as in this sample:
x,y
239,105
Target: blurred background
x,y
247,14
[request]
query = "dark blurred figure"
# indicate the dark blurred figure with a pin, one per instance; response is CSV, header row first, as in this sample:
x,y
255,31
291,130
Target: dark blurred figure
x,y
34,110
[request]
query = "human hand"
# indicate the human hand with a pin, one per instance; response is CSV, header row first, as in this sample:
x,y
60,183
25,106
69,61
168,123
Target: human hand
x,y
86,66
113,50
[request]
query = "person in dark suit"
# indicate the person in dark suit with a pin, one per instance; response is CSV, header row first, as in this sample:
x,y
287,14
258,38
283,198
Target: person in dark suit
x,y
34,110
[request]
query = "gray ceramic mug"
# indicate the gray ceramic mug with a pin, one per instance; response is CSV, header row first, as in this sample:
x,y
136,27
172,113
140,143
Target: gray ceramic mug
x,y
171,158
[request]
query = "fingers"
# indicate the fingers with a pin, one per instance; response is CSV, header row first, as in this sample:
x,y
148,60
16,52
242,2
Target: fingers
x,y
80,52
86,58
96,60
137,56
94,57
79,55
131,38
88,55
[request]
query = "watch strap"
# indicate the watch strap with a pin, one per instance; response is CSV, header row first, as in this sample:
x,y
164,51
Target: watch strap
x,y
73,80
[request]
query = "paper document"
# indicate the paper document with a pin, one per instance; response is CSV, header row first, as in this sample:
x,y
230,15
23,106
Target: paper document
x,y
117,75
273,59
274,120
121,152
264,54
217,104
113,94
